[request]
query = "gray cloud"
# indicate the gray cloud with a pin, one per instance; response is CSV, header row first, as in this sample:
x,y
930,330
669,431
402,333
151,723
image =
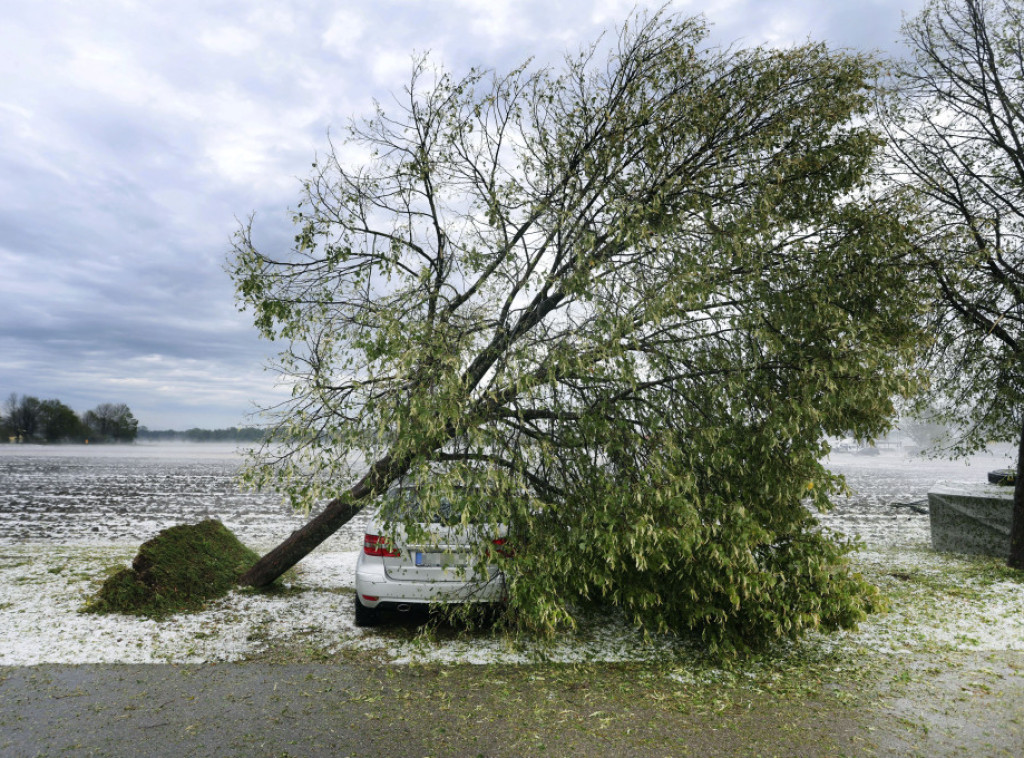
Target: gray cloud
x,y
136,134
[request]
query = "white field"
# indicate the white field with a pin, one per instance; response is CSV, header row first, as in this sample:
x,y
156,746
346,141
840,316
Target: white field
x,y
67,514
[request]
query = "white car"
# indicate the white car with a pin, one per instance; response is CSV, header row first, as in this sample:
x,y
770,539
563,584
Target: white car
x,y
438,563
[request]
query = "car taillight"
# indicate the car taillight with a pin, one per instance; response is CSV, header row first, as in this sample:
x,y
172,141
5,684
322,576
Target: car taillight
x,y
501,547
374,544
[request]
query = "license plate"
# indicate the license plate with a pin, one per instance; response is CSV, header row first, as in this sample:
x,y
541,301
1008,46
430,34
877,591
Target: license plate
x,y
418,557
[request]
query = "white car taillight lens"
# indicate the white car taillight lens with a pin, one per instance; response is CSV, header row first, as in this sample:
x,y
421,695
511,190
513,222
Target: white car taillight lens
x,y
375,544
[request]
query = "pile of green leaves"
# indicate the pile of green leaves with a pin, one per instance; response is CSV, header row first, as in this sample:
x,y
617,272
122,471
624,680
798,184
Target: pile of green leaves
x,y
735,559
180,569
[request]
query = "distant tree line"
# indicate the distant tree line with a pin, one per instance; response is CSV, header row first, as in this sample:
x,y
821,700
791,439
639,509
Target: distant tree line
x,y
231,434
28,419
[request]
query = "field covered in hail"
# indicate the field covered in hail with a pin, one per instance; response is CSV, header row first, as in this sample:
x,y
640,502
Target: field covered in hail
x,y
68,514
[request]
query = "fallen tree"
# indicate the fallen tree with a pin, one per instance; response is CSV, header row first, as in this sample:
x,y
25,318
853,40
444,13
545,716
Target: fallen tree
x,y
627,300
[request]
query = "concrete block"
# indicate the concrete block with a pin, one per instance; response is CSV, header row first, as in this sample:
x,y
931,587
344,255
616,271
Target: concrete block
x,y
973,519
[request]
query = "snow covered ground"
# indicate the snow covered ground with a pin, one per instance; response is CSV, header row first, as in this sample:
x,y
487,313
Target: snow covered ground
x,y
69,513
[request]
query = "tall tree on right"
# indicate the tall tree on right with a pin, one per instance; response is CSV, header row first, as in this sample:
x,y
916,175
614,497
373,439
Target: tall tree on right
x,y
957,138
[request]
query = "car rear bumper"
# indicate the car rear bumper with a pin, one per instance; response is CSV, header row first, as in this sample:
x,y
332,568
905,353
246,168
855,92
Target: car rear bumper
x,y
373,582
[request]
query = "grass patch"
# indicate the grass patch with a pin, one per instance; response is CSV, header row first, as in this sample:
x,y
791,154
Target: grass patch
x,y
180,569
944,576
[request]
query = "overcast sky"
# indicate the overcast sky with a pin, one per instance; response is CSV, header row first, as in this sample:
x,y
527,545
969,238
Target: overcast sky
x,y
134,135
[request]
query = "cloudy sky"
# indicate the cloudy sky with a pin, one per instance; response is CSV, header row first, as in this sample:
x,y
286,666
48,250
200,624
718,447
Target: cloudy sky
x,y
135,134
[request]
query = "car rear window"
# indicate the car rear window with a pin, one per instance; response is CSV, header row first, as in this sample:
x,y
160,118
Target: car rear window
x,y
405,505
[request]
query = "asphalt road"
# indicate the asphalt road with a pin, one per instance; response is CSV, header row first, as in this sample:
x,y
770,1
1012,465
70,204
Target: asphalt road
x,y
209,710
962,704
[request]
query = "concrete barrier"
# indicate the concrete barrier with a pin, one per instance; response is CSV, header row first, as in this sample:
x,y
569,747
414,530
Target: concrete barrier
x,y
971,518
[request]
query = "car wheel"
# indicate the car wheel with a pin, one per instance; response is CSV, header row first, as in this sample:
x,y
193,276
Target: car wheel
x,y
365,616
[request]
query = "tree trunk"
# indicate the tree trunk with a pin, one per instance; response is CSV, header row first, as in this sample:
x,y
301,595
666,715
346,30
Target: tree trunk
x,y
337,513
301,543
1017,529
